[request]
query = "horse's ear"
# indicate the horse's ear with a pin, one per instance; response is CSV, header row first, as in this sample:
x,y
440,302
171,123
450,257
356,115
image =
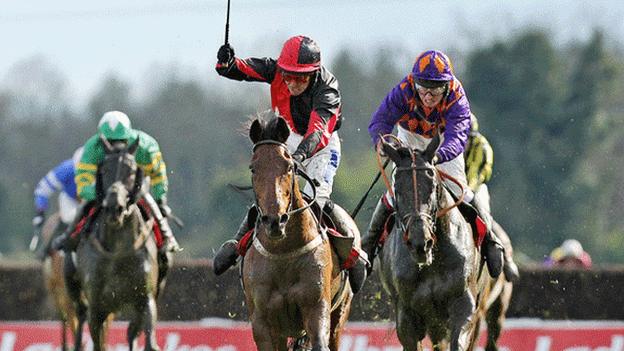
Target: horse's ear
x,y
134,146
108,148
390,151
255,131
282,131
431,148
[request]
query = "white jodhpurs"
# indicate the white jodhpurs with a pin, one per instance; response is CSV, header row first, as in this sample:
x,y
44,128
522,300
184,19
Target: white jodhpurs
x,y
322,166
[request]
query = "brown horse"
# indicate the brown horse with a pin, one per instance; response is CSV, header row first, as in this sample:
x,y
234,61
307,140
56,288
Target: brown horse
x,y
431,265
53,267
292,280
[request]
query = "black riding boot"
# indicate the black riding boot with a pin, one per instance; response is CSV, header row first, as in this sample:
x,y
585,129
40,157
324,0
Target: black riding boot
x,y
341,220
375,229
510,269
228,252
492,249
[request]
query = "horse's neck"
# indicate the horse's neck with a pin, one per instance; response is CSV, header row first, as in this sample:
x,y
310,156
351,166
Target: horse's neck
x,y
115,238
449,226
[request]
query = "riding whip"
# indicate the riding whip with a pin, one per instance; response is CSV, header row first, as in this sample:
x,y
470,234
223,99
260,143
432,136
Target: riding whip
x,y
227,24
359,205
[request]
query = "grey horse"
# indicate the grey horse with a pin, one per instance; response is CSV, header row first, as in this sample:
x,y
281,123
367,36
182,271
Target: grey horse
x,y
116,266
430,263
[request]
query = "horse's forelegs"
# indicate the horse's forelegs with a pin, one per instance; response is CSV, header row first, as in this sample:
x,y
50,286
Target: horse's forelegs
x,y
98,329
461,313
496,316
151,315
339,318
317,324
264,338
409,329
134,328
81,312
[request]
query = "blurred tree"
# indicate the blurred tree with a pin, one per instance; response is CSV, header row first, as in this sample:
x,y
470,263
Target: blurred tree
x,y
113,94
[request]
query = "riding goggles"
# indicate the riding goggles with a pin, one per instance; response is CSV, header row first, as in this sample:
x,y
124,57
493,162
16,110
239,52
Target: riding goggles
x,y
295,78
437,91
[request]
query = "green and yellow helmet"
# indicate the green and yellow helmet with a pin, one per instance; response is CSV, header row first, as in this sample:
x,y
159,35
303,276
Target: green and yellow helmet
x,y
115,125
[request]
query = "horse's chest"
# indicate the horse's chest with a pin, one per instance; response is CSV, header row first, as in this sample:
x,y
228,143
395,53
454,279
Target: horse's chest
x,y
277,286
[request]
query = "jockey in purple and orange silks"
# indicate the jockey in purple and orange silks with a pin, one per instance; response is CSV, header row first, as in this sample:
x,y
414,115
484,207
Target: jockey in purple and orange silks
x,y
431,101
306,95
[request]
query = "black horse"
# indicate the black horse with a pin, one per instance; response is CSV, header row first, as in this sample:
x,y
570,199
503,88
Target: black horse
x,y
430,264
117,264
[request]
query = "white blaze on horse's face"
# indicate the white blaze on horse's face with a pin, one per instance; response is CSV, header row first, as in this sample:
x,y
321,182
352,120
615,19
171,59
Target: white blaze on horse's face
x,y
273,183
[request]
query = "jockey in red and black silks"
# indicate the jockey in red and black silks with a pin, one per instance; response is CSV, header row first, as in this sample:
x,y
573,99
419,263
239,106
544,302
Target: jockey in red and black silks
x,y
314,113
306,95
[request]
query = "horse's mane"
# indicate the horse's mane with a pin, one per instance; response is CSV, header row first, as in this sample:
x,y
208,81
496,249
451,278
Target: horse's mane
x,y
268,120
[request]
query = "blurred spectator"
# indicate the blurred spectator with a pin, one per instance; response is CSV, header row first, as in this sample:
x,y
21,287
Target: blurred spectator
x,y
569,255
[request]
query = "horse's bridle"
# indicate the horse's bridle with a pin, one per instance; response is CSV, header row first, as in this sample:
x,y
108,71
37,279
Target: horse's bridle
x,y
404,223
427,217
298,171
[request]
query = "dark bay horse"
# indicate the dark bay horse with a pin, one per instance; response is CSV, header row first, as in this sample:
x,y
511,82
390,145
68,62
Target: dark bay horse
x,y
117,262
430,264
291,276
54,280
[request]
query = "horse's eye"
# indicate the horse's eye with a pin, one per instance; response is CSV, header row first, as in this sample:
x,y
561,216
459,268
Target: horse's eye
x,y
430,173
290,168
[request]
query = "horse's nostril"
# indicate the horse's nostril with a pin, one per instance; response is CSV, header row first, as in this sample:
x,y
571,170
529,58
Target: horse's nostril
x,y
284,218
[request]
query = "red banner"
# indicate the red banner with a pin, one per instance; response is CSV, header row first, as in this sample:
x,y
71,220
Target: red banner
x,y
220,335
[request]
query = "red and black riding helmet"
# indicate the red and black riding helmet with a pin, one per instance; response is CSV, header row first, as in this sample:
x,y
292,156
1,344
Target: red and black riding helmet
x,y
300,54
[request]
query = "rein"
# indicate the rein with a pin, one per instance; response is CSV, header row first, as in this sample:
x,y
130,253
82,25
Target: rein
x,y
441,174
298,171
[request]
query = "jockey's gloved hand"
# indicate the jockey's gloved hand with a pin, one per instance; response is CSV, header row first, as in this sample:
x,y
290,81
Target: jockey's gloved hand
x,y
164,208
298,160
38,220
225,55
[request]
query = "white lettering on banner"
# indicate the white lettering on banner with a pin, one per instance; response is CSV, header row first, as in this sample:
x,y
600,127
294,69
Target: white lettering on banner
x,y
543,343
8,340
617,344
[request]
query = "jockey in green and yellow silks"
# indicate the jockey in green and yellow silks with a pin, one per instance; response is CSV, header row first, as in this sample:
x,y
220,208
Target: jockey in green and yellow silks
x,y
115,126
479,161
479,157
148,158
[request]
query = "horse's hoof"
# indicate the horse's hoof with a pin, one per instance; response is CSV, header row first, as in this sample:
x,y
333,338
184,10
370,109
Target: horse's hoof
x,y
226,257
